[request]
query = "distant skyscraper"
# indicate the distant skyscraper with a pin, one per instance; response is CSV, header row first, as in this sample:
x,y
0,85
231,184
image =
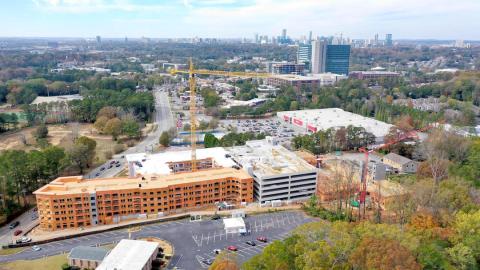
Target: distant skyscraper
x,y
337,59
376,40
99,40
284,34
310,37
304,55
319,52
126,39
388,40
256,38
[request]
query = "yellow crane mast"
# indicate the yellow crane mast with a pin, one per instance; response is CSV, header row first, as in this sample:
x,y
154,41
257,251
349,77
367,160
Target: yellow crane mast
x,y
191,79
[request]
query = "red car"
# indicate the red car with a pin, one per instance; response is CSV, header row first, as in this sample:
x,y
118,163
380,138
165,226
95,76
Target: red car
x,y
17,232
262,239
232,248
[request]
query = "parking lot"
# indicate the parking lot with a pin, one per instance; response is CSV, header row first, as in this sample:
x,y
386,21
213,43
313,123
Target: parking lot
x,y
275,226
272,126
193,242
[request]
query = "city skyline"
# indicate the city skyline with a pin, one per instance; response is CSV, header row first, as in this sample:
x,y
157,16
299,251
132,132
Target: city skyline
x,y
406,19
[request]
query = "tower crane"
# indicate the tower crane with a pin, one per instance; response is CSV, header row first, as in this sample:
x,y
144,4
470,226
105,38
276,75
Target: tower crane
x,y
192,72
411,134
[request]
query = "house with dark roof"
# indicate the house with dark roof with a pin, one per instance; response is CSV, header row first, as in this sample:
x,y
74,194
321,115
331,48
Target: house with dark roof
x,y
86,257
400,164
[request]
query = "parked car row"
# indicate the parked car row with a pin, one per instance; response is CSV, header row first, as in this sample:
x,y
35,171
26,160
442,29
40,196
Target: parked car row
x,y
233,248
112,163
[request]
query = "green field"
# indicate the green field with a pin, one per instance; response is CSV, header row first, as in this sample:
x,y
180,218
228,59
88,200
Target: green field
x,y
48,263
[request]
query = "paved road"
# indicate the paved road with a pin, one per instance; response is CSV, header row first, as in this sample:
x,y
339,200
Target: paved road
x,y
163,119
192,241
26,223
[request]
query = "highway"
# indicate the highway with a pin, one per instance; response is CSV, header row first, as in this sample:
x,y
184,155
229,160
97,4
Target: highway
x,y
163,120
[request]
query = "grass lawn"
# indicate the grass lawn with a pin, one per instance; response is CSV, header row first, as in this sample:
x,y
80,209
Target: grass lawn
x,y
10,251
48,263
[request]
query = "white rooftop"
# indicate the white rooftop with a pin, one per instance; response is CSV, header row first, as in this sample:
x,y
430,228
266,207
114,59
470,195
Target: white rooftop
x,y
323,119
64,98
265,158
158,163
129,255
233,223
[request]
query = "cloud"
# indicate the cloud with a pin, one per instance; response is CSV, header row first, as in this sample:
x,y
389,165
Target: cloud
x,y
89,6
327,16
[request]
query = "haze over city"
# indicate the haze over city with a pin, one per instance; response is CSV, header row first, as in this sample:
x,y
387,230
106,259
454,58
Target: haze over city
x,y
408,19
239,134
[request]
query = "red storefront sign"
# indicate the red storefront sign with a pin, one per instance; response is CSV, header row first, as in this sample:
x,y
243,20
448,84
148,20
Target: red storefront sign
x,y
311,128
297,122
286,118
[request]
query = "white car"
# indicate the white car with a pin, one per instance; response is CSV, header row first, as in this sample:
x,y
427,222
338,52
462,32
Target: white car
x,y
36,248
26,239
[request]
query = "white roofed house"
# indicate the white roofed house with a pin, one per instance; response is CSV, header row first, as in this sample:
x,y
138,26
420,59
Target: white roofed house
x,y
401,164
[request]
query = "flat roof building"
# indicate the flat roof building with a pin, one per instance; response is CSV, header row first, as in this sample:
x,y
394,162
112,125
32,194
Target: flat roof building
x,y
373,75
86,257
177,161
71,202
279,174
130,255
315,120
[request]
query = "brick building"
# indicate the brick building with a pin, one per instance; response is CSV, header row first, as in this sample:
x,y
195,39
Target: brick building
x,y
71,202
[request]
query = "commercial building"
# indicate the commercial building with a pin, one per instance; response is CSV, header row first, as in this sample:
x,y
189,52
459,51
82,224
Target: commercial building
x,y
318,56
278,173
338,59
86,257
400,164
71,202
388,40
329,58
131,255
304,55
296,81
373,75
287,68
311,121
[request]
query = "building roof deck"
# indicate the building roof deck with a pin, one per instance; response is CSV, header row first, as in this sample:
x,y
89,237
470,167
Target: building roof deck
x,y
129,254
78,185
158,163
267,159
324,119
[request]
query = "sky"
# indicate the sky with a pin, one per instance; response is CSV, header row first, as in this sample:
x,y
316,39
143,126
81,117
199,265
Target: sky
x,y
405,19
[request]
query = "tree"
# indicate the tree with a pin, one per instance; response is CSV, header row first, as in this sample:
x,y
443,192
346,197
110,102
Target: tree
x,y
41,132
382,254
82,153
79,156
213,123
203,125
210,141
113,127
100,123
225,261
107,111
164,139
131,128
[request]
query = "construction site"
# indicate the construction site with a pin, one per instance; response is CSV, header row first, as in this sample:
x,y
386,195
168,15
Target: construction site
x,y
260,171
